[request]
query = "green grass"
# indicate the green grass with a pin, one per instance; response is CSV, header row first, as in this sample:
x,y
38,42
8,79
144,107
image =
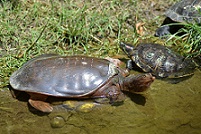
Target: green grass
x,y
31,28
71,27
192,44
189,44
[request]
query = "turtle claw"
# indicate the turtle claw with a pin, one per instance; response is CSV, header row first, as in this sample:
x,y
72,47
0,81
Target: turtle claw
x,y
41,105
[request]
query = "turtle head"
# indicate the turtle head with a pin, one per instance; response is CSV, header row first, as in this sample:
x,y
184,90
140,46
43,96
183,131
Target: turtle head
x,y
127,48
138,83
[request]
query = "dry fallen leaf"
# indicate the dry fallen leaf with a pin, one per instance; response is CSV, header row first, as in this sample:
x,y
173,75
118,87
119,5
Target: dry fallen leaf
x,y
139,28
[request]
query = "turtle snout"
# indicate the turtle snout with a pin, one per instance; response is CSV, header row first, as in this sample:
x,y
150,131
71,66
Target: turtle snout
x,y
162,31
153,78
149,79
150,76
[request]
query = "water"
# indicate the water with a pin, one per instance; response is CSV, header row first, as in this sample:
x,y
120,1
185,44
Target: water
x,y
164,109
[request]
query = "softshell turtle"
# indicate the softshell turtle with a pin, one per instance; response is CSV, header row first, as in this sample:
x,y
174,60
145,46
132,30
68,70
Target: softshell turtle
x,y
187,11
158,60
77,77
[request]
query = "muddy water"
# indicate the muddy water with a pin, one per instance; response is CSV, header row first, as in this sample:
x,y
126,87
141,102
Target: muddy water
x,y
164,109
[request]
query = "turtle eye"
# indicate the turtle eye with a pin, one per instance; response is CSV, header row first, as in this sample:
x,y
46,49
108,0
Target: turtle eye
x,y
144,76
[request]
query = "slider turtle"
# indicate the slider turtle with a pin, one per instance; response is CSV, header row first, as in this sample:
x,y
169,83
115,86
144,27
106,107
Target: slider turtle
x,y
75,77
185,11
158,60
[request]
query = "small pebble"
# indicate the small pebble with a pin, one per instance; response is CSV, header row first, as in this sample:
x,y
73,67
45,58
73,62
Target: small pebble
x,y
57,122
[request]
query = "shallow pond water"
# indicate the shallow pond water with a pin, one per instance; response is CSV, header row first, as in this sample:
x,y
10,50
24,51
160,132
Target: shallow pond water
x,y
165,108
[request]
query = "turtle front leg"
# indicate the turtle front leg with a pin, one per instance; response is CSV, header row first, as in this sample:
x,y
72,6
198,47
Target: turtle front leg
x,y
129,65
118,64
115,95
38,102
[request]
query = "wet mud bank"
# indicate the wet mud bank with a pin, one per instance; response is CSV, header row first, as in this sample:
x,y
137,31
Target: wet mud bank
x,y
164,108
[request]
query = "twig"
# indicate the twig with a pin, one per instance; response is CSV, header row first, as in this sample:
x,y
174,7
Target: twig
x,y
37,38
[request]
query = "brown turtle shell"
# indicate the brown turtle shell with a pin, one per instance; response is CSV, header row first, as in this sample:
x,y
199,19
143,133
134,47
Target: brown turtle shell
x,y
63,76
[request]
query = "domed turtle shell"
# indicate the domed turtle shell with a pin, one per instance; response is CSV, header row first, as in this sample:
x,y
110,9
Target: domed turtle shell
x,y
60,76
159,60
185,11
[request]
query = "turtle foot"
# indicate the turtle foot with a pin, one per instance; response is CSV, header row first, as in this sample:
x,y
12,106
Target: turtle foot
x,y
117,62
41,105
163,31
